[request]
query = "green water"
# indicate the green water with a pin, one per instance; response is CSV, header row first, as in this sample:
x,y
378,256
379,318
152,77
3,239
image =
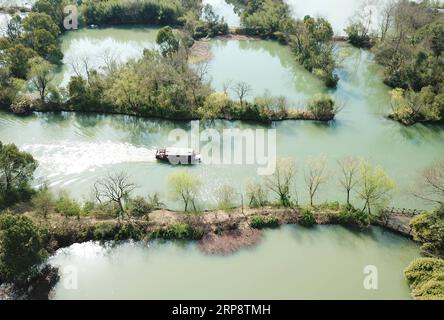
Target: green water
x,y
97,47
74,150
290,263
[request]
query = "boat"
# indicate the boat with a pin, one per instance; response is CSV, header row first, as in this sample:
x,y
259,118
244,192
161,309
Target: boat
x,y
183,156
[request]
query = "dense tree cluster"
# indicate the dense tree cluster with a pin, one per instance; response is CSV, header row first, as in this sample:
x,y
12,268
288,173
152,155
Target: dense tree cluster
x,y
16,172
409,44
310,38
27,51
204,22
112,12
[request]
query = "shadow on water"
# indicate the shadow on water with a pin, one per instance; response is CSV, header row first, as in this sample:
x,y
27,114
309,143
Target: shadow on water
x,y
418,134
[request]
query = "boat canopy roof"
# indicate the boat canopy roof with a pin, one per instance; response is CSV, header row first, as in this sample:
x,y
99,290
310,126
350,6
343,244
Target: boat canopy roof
x,y
179,151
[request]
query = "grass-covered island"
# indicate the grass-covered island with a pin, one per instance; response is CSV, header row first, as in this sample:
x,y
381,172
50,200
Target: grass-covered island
x,y
35,223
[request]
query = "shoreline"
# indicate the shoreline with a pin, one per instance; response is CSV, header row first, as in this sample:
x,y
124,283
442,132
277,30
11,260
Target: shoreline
x,y
218,228
219,233
292,115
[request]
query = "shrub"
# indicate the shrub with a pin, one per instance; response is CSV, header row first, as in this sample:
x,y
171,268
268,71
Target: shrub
x,y
67,207
104,231
139,207
307,219
426,278
260,222
428,228
43,202
178,231
257,195
322,107
349,216
129,231
335,206
21,248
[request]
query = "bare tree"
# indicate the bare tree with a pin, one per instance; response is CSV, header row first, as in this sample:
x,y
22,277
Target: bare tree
x,y
115,188
430,187
315,175
349,174
226,86
386,18
242,90
110,61
281,181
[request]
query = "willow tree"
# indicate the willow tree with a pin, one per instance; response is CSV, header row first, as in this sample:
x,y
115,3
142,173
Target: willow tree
x,y
374,187
184,187
40,74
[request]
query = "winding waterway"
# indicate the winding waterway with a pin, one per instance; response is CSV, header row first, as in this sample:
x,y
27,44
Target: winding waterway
x,y
75,149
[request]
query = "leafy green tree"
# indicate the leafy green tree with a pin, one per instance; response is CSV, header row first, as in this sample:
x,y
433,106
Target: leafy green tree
x,y
215,105
184,187
425,276
36,21
43,202
16,171
21,248
9,88
17,60
40,34
428,229
374,186
54,8
323,107
167,41
14,29
358,35
40,75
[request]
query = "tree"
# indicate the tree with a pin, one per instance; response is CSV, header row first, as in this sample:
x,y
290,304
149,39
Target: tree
x,y
184,187
17,60
349,175
226,197
14,28
16,171
242,90
167,41
425,276
36,20
322,107
315,176
282,180
43,202
430,186
40,34
257,195
115,188
374,186
41,75
214,105
21,248
386,18
428,229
